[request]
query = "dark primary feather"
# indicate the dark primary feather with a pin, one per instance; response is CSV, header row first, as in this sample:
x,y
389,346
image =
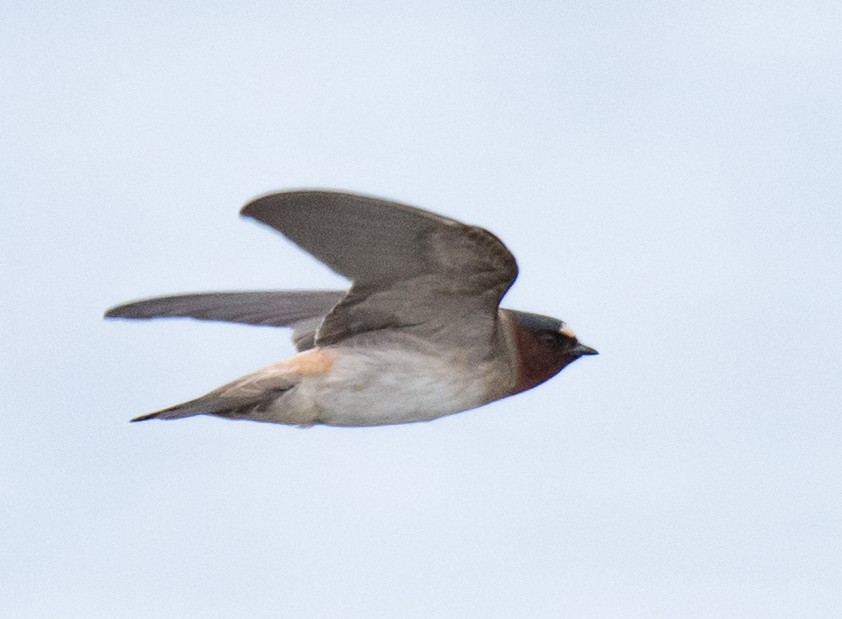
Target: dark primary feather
x,y
279,308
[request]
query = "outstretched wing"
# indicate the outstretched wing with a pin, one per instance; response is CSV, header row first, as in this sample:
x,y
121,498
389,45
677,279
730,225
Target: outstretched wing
x,y
276,308
303,310
410,268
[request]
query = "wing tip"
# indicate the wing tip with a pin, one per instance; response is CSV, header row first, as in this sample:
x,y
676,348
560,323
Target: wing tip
x,y
114,312
272,199
127,310
254,207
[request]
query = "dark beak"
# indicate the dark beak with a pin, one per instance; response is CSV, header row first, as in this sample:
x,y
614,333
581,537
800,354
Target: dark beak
x,y
581,349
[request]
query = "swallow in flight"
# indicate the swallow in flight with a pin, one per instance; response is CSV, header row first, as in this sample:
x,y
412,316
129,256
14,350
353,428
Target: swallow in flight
x,y
417,336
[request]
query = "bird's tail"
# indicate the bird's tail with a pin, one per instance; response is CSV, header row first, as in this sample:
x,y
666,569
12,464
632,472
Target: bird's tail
x,y
249,397
237,399
198,406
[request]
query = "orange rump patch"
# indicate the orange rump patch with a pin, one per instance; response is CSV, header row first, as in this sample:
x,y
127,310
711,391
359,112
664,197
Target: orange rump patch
x,y
312,362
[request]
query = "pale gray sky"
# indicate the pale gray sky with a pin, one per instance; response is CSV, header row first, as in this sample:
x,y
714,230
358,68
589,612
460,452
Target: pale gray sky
x,y
668,176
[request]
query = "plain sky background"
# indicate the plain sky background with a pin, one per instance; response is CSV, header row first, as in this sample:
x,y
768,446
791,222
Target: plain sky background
x,y
669,176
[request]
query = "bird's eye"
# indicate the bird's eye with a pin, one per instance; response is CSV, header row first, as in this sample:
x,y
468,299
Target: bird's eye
x,y
549,337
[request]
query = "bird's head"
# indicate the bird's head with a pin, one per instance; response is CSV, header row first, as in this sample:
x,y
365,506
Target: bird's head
x,y
545,346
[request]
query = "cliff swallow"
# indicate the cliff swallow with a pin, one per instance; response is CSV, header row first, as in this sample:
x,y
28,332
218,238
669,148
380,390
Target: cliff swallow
x,y
419,334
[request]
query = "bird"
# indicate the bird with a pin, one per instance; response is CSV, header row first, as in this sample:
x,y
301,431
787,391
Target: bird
x,y
418,335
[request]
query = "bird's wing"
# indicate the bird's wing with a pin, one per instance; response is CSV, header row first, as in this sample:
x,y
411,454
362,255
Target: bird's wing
x,y
277,308
409,267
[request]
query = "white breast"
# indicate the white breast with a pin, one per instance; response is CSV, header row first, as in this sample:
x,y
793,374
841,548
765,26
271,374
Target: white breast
x,y
373,387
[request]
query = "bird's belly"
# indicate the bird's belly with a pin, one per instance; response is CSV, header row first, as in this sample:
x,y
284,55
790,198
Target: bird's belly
x,y
387,387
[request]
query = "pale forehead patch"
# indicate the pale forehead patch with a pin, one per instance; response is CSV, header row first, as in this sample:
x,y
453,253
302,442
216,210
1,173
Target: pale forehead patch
x,y
565,330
